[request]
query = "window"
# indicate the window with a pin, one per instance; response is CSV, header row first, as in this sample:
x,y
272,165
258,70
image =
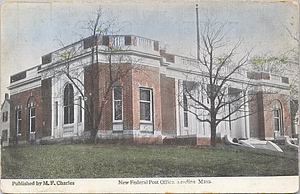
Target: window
x,y
56,113
80,109
4,135
127,40
32,119
32,116
277,122
19,121
68,104
236,98
5,116
213,90
117,104
185,111
277,111
146,104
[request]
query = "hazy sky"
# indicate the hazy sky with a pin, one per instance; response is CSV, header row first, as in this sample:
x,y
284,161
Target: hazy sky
x,y
30,30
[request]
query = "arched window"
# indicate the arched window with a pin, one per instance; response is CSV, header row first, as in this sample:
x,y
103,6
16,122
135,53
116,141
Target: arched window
x,y
277,110
68,104
32,116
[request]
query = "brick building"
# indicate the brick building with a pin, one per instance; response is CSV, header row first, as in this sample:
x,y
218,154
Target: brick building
x,y
55,99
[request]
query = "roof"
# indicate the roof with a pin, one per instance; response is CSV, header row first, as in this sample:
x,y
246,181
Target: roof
x,y
5,100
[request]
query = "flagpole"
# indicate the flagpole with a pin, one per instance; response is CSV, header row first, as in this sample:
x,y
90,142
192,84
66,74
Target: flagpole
x,y
198,37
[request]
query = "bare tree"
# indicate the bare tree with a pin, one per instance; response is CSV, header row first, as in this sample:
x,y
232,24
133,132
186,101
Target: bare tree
x,y
293,59
286,65
211,92
99,78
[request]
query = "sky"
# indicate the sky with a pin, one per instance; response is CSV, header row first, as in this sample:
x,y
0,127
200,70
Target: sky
x,y
30,30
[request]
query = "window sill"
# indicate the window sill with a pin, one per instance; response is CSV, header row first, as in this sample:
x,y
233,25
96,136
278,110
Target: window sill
x,y
145,122
117,131
117,122
145,131
68,124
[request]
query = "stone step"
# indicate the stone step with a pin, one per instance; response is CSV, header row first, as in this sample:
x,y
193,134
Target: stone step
x,y
261,144
265,147
256,142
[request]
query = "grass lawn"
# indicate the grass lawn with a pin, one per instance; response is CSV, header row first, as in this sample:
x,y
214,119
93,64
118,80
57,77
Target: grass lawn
x,y
105,161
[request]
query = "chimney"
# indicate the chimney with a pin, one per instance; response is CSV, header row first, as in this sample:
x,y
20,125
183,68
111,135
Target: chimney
x,y
6,96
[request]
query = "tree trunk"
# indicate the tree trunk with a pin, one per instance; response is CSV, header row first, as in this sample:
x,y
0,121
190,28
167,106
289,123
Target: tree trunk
x,y
95,135
94,129
213,131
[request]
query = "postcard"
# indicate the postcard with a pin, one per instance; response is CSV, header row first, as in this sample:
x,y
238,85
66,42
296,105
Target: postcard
x,y
149,96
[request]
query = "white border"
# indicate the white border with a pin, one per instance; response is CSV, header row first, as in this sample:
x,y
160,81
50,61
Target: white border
x,y
283,184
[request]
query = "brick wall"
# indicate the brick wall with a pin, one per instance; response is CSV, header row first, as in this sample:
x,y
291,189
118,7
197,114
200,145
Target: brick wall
x,y
148,77
126,83
260,115
121,76
131,79
206,141
21,100
46,107
168,105
101,93
105,99
270,100
189,141
253,107
91,85
262,119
